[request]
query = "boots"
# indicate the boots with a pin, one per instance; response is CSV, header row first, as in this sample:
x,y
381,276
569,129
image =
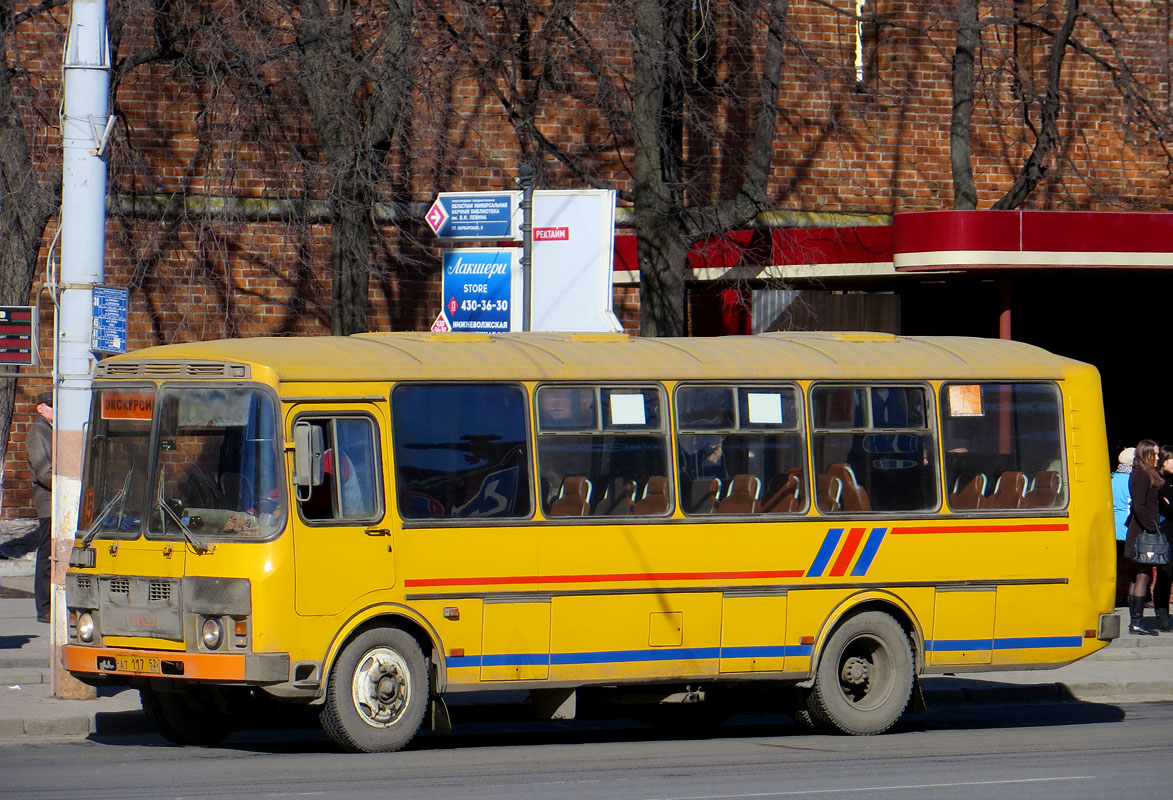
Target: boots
x,y
1163,622
1135,615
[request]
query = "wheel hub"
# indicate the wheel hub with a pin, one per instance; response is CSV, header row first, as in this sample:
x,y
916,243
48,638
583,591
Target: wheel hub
x,y
380,689
855,672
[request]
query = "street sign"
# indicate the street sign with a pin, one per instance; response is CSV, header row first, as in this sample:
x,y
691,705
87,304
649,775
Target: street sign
x,y
478,287
476,215
108,334
18,339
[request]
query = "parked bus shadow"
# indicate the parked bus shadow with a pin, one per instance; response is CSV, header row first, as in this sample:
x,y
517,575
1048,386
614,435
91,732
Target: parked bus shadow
x,y
510,726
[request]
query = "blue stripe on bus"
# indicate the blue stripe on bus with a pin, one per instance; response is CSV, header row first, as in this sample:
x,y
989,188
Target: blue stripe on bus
x,y
950,645
1016,643
629,656
869,552
1038,641
830,542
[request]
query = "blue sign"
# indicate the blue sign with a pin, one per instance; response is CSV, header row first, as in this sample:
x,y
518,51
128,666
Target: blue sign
x,y
478,288
108,334
475,215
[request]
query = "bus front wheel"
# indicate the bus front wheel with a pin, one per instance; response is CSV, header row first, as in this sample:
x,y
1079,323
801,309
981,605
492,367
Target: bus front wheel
x,y
864,679
378,692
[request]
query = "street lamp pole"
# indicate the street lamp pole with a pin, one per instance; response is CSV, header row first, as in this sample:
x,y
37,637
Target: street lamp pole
x,y
85,130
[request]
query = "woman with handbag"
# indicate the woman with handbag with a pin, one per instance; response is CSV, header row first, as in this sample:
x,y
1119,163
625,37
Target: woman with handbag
x,y
1164,583
1143,486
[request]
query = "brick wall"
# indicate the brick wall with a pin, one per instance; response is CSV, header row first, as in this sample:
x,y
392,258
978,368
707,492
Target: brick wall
x,y
881,146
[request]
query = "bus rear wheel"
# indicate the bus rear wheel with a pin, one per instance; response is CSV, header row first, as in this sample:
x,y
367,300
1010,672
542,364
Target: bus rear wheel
x,y
864,679
188,716
378,692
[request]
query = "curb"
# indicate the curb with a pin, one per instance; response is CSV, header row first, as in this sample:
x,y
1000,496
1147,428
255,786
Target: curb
x,y
95,723
17,568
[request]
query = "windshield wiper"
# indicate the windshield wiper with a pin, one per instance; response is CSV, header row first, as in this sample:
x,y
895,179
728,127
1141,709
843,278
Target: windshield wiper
x,y
119,500
196,544
116,500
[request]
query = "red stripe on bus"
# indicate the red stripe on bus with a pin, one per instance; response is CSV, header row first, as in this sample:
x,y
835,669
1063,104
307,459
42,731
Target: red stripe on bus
x,y
846,553
1021,528
617,578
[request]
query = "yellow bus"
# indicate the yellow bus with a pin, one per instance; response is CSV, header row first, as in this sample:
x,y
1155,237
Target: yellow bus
x,y
369,524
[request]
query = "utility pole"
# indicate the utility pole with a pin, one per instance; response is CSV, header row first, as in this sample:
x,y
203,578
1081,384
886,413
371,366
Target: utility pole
x,y
85,130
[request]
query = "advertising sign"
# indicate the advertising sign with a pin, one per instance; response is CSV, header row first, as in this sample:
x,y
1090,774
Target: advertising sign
x,y
17,336
573,253
479,288
476,215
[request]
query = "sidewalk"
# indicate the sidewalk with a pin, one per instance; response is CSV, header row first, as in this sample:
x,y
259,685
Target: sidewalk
x,y
18,553
1132,669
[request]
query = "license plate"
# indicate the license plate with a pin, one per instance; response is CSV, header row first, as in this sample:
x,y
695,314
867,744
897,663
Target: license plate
x,y
144,664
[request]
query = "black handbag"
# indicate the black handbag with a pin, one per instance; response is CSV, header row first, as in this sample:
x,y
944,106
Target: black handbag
x,y
1150,549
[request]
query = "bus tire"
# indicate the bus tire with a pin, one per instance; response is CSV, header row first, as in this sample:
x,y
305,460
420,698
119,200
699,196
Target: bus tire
x,y
794,705
190,716
378,692
864,679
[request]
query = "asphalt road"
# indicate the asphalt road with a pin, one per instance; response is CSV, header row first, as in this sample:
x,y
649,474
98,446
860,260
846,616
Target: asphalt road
x,y
1048,750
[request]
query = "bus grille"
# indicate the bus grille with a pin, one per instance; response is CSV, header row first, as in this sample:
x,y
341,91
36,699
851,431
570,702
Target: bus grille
x,y
139,606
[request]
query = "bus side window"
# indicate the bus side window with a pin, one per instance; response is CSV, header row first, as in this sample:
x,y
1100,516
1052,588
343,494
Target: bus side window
x,y
1012,435
350,488
752,432
613,437
874,448
461,450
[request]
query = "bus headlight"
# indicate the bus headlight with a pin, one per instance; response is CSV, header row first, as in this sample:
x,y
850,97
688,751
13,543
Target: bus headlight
x,y
211,632
85,627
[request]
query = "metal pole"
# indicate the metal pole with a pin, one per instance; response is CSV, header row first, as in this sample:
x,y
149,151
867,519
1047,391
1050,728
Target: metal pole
x,y
85,129
526,179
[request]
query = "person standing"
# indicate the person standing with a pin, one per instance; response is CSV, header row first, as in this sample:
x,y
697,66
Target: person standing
x,y
1143,486
1164,582
1122,506
38,447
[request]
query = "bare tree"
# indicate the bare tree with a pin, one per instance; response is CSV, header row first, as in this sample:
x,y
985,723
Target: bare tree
x,y
29,196
968,37
650,113
1108,37
356,73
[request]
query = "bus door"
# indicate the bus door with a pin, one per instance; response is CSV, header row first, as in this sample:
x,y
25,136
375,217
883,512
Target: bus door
x,y
342,537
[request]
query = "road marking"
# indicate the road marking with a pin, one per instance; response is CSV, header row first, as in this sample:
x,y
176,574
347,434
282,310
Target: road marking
x,y
906,787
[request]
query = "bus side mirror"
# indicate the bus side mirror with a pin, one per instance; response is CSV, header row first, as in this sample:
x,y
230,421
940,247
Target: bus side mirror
x,y
308,447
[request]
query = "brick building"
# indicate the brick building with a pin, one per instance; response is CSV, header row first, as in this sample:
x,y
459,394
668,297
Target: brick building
x,y
224,192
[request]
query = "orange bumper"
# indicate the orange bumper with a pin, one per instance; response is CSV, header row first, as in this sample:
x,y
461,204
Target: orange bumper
x,y
121,662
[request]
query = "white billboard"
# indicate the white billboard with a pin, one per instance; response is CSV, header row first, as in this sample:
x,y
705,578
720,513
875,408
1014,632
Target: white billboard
x,y
572,257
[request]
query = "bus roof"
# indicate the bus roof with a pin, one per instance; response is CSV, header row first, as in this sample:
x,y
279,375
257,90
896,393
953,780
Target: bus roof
x,y
590,356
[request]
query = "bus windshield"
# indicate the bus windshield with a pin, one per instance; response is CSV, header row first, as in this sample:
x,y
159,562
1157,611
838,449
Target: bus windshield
x,y
200,462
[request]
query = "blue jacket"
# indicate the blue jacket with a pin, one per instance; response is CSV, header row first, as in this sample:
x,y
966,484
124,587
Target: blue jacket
x,y
1122,503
